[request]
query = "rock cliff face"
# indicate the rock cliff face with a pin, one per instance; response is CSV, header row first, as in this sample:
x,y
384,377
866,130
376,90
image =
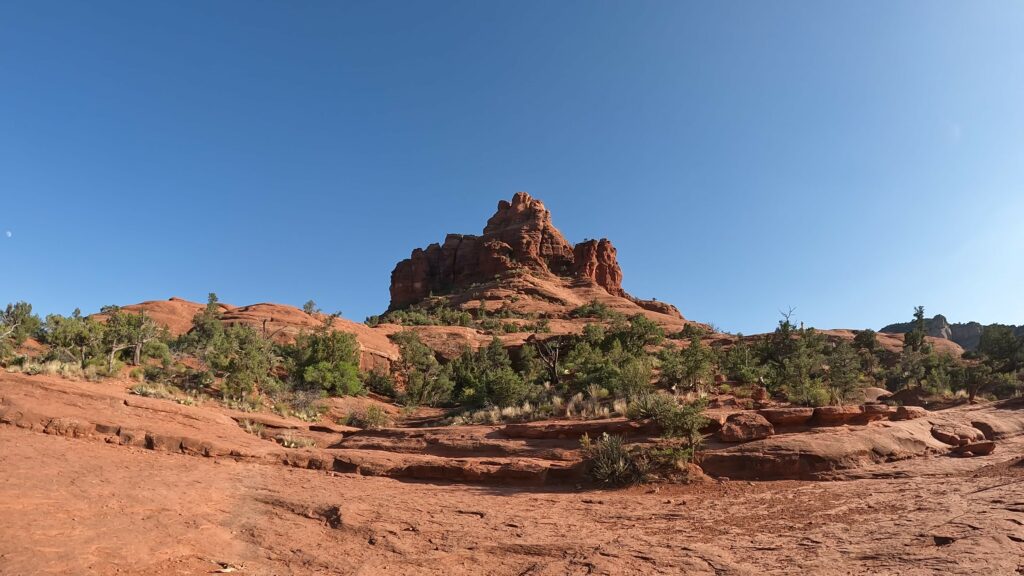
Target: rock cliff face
x,y
966,334
519,236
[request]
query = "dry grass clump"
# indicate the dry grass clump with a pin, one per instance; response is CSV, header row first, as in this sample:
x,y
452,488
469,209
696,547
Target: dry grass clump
x,y
370,418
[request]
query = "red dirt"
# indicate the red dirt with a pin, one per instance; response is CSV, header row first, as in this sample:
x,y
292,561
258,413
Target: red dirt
x,y
78,505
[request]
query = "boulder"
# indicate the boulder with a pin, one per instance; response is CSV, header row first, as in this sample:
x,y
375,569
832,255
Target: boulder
x,y
873,412
909,413
787,416
957,434
874,394
690,473
976,448
818,453
744,427
837,415
760,394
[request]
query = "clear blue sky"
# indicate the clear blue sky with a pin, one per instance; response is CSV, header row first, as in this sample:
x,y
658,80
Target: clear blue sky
x,y
850,159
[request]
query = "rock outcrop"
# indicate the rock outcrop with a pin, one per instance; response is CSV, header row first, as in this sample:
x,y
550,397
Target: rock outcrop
x,y
520,236
966,334
744,427
280,322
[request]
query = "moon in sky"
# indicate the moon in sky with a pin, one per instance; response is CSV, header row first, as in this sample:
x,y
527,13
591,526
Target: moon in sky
x,y
8,233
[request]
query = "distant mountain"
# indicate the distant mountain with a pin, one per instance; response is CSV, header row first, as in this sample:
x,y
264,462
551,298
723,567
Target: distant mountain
x,y
966,334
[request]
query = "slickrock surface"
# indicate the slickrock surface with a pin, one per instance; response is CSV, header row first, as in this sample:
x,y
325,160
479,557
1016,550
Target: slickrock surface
x,y
96,481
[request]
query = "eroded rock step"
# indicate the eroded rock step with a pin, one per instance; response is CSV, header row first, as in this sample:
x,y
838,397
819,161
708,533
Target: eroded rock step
x,y
479,469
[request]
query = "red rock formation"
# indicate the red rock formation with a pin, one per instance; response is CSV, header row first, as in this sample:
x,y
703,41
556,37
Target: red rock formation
x,y
596,259
519,236
280,322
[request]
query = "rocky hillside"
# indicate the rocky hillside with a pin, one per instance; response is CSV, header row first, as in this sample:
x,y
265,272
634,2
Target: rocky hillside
x,y
521,269
966,334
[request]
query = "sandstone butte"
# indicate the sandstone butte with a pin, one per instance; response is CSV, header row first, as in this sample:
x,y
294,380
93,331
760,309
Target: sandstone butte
x,y
520,262
97,480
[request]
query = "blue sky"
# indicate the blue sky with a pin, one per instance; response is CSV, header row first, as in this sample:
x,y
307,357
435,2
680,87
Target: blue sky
x,y
849,159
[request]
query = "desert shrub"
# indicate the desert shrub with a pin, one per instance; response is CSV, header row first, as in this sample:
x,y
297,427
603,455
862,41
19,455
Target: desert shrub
x,y
685,422
843,376
292,440
128,331
675,421
17,324
153,390
589,406
155,373
486,376
325,360
379,382
801,371
306,405
255,428
742,363
595,309
540,326
437,315
369,418
806,392
98,368
692,330
251,360
611,463
635,334
246,403
635,377
340,379
588,364
650,405
73,338
505,387
426,381
698,365
670,456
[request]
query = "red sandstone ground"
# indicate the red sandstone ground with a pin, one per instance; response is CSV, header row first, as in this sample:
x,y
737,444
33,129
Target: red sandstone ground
x,y
82,505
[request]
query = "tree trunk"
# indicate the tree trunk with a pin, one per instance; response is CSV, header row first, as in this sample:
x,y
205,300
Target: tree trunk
x,y
137,356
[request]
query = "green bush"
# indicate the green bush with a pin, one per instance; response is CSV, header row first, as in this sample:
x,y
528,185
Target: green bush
x,y
326,360
635,377
595,309
340,379
674,420
426,381
611,463
807,392
306,405
370,418
437,315
379,382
